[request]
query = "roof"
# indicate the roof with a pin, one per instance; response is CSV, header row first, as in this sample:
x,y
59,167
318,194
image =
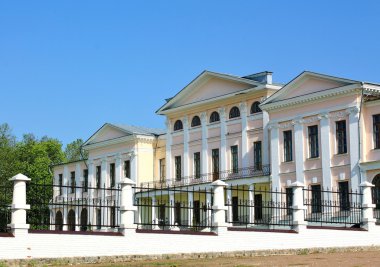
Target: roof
x,y
139,129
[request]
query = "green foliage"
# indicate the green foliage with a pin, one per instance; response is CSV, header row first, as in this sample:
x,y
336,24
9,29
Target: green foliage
x,y
73,151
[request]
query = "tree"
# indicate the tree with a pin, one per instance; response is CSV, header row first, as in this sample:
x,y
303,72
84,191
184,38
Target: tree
x,y
73,151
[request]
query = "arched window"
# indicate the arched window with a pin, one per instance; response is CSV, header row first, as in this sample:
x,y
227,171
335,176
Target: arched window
x,y
83,220
58,221
71,220
255,107
214,117
234,112
178,125
196,121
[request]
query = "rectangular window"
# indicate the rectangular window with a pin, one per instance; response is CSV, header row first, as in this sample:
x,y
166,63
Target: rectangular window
x,y
60,184
288,146
313,141
127,169
376,131
215,164
178,170
344,196
98,219
257,155
289,200
341,137
197,165
234,159
72,182
162,170
112,174
316,199
85,178
98,173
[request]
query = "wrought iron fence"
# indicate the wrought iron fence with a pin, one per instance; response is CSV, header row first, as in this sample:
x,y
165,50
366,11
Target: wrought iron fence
x,y
163,208
376,201
258,206
73,208
328,207
262,170
6,189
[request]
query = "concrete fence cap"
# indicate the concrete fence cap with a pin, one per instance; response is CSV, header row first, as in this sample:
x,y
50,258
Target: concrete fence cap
x,y
20,177
219,183
366,184
127,181
297,184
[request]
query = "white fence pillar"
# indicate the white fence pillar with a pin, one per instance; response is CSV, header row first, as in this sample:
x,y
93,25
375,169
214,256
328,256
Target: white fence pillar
x,y
127,209
219,207
19,206
368,219
298,207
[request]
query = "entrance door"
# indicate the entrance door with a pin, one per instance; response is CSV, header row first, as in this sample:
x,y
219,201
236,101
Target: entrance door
x,y
71,220
58,221
197,212
258,207
235,209
83,220
344,197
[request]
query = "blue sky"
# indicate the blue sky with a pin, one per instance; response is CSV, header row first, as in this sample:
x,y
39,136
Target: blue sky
x,y
67,67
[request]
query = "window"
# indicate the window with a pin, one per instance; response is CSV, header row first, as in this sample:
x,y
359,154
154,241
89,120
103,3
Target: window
x,y
255,107
197,165
289,200
98,172
344,197
288,146
316,199
60,184
162,170
214,117
341,137
196,121
313,141
72,182
234,159
215,164
234,112
113,217
112,174
98,219
127,169
257,155
85,182
178,125
178,171
376,131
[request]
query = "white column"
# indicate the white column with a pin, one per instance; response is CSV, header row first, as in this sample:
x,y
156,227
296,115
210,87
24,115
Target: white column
x,y
219,207
103,176
134,167
78,180
168,158
209,211
204,156
325,150
186,171
91,183
190,204
368,219
65,180
118,169
265,149
275,156
229,201
171,210
251,198
127,210
298,147
244,135
101,193
354,147
298,207
223,140
154,216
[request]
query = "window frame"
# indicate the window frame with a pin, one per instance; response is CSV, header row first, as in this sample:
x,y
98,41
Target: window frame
x,y
112,175
234,112
215,160
313,140
214,117
127,169
98,176
72,182
162,167
288,145
197,165
60,183
257,155
255,108
196,121
178,126
341,137
376,131
234,159
178,168
85,180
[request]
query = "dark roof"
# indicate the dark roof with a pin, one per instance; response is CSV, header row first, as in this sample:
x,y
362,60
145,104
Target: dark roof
x,y
139,129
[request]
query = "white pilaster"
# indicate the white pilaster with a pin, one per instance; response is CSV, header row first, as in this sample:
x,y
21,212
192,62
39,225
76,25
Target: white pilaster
x,y
171,210
168,158
118,168
229,201
65,181
354,147
251,197
223,140
298,147
244,135
265,148
325,150
275,156
78,180
91,183
186,171
190,210
134,167
204,156
103,176
154,216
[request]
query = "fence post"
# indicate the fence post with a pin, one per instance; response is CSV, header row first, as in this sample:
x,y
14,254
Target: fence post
x,y
298,207
127,209
19,206
368,219
219,207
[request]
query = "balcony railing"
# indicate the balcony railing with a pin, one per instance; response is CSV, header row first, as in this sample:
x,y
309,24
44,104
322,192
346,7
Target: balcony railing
x,y
248,172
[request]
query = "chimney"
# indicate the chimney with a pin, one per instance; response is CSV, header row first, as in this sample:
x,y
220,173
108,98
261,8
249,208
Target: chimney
x,y
261,77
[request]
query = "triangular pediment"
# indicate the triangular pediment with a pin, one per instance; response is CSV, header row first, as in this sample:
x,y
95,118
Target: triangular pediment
x,y
308,83
105,133
207,86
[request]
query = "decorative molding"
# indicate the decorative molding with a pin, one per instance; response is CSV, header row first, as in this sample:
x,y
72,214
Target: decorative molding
x,y
222,113
243,107
204,117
